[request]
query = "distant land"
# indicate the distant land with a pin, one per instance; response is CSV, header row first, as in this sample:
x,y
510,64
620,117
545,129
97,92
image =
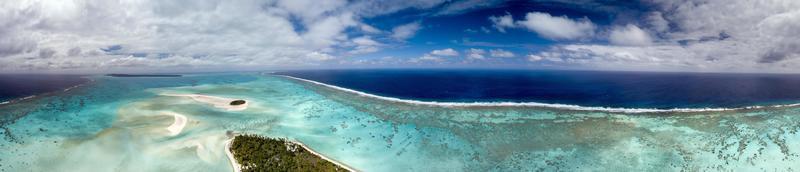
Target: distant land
x,y
143,75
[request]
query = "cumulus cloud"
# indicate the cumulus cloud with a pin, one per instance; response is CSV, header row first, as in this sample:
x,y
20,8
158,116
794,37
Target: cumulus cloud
x,y
54,35
657,22
686,35
319,56
501,53
502,22
365,44
405,31
629,35
475,54
427,57
107,34
557,27
435,56
445,52
534,58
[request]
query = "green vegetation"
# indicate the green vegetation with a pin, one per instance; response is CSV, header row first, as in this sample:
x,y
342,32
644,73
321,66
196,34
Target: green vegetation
x,y
257,153
237,102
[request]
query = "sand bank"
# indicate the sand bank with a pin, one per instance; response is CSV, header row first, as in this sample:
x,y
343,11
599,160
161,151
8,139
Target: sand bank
x,y
178,125
218,102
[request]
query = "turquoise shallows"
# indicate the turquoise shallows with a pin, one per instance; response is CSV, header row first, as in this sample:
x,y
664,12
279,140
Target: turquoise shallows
x,y
121,124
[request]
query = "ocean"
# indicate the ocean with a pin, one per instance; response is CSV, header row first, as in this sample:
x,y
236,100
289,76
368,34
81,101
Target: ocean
x,y
17,86
138,124
583,88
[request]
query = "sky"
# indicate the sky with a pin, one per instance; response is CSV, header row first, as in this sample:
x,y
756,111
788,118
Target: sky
x,y
97,36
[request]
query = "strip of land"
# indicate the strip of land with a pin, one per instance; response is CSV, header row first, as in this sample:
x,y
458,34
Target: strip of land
x,y
257,153
218,102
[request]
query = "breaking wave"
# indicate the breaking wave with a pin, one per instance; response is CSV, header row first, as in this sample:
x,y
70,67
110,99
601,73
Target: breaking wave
x,y
537,104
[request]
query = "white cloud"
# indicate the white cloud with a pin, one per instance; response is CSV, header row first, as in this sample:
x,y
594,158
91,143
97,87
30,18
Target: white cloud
x,y
657,22
629,35
66,35
364,45
501,53
319,56
445,52
428,57
534,58
718,36
475,54
374,8
405,31
435,56
41,35
502,22
369,29
557,27
457,7
309,10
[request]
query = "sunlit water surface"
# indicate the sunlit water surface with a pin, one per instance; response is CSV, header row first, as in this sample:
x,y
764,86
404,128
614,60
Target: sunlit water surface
x,y
120,124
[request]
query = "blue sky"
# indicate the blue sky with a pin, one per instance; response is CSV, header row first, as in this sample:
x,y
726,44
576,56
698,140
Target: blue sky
x,y
89,36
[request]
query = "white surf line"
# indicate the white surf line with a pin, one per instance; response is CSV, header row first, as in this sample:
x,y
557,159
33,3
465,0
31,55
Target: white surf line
x,y
235,165
324,157
47,93
178,125
535,104
218,102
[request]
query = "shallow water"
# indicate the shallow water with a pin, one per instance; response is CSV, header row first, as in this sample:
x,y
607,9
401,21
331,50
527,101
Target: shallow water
x,y
119,124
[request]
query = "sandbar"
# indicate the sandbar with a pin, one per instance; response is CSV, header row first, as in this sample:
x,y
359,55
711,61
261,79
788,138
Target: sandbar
x,y
218,102
178,125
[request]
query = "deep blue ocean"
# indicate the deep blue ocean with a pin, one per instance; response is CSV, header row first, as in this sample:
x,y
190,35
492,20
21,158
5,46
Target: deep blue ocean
x,y
584,88
14,86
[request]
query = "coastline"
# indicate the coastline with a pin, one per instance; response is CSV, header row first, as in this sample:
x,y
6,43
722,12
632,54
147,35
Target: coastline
x,y
234,165
324,157
537,104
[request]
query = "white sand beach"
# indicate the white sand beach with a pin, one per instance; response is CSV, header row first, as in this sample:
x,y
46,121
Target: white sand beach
x,y
324,157
236,166
218,102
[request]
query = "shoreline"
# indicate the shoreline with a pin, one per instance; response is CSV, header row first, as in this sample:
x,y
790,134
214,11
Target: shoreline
x,y
323,156
232,160
542,105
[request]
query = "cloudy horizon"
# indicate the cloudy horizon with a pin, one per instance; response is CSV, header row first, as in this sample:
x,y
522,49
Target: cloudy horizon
x,y
209,35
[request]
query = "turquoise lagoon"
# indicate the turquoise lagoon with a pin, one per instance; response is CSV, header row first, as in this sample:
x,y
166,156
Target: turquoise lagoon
x,y
119,124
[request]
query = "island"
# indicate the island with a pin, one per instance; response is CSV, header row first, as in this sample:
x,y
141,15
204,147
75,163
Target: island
x,y
258,153
237,102
143,75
